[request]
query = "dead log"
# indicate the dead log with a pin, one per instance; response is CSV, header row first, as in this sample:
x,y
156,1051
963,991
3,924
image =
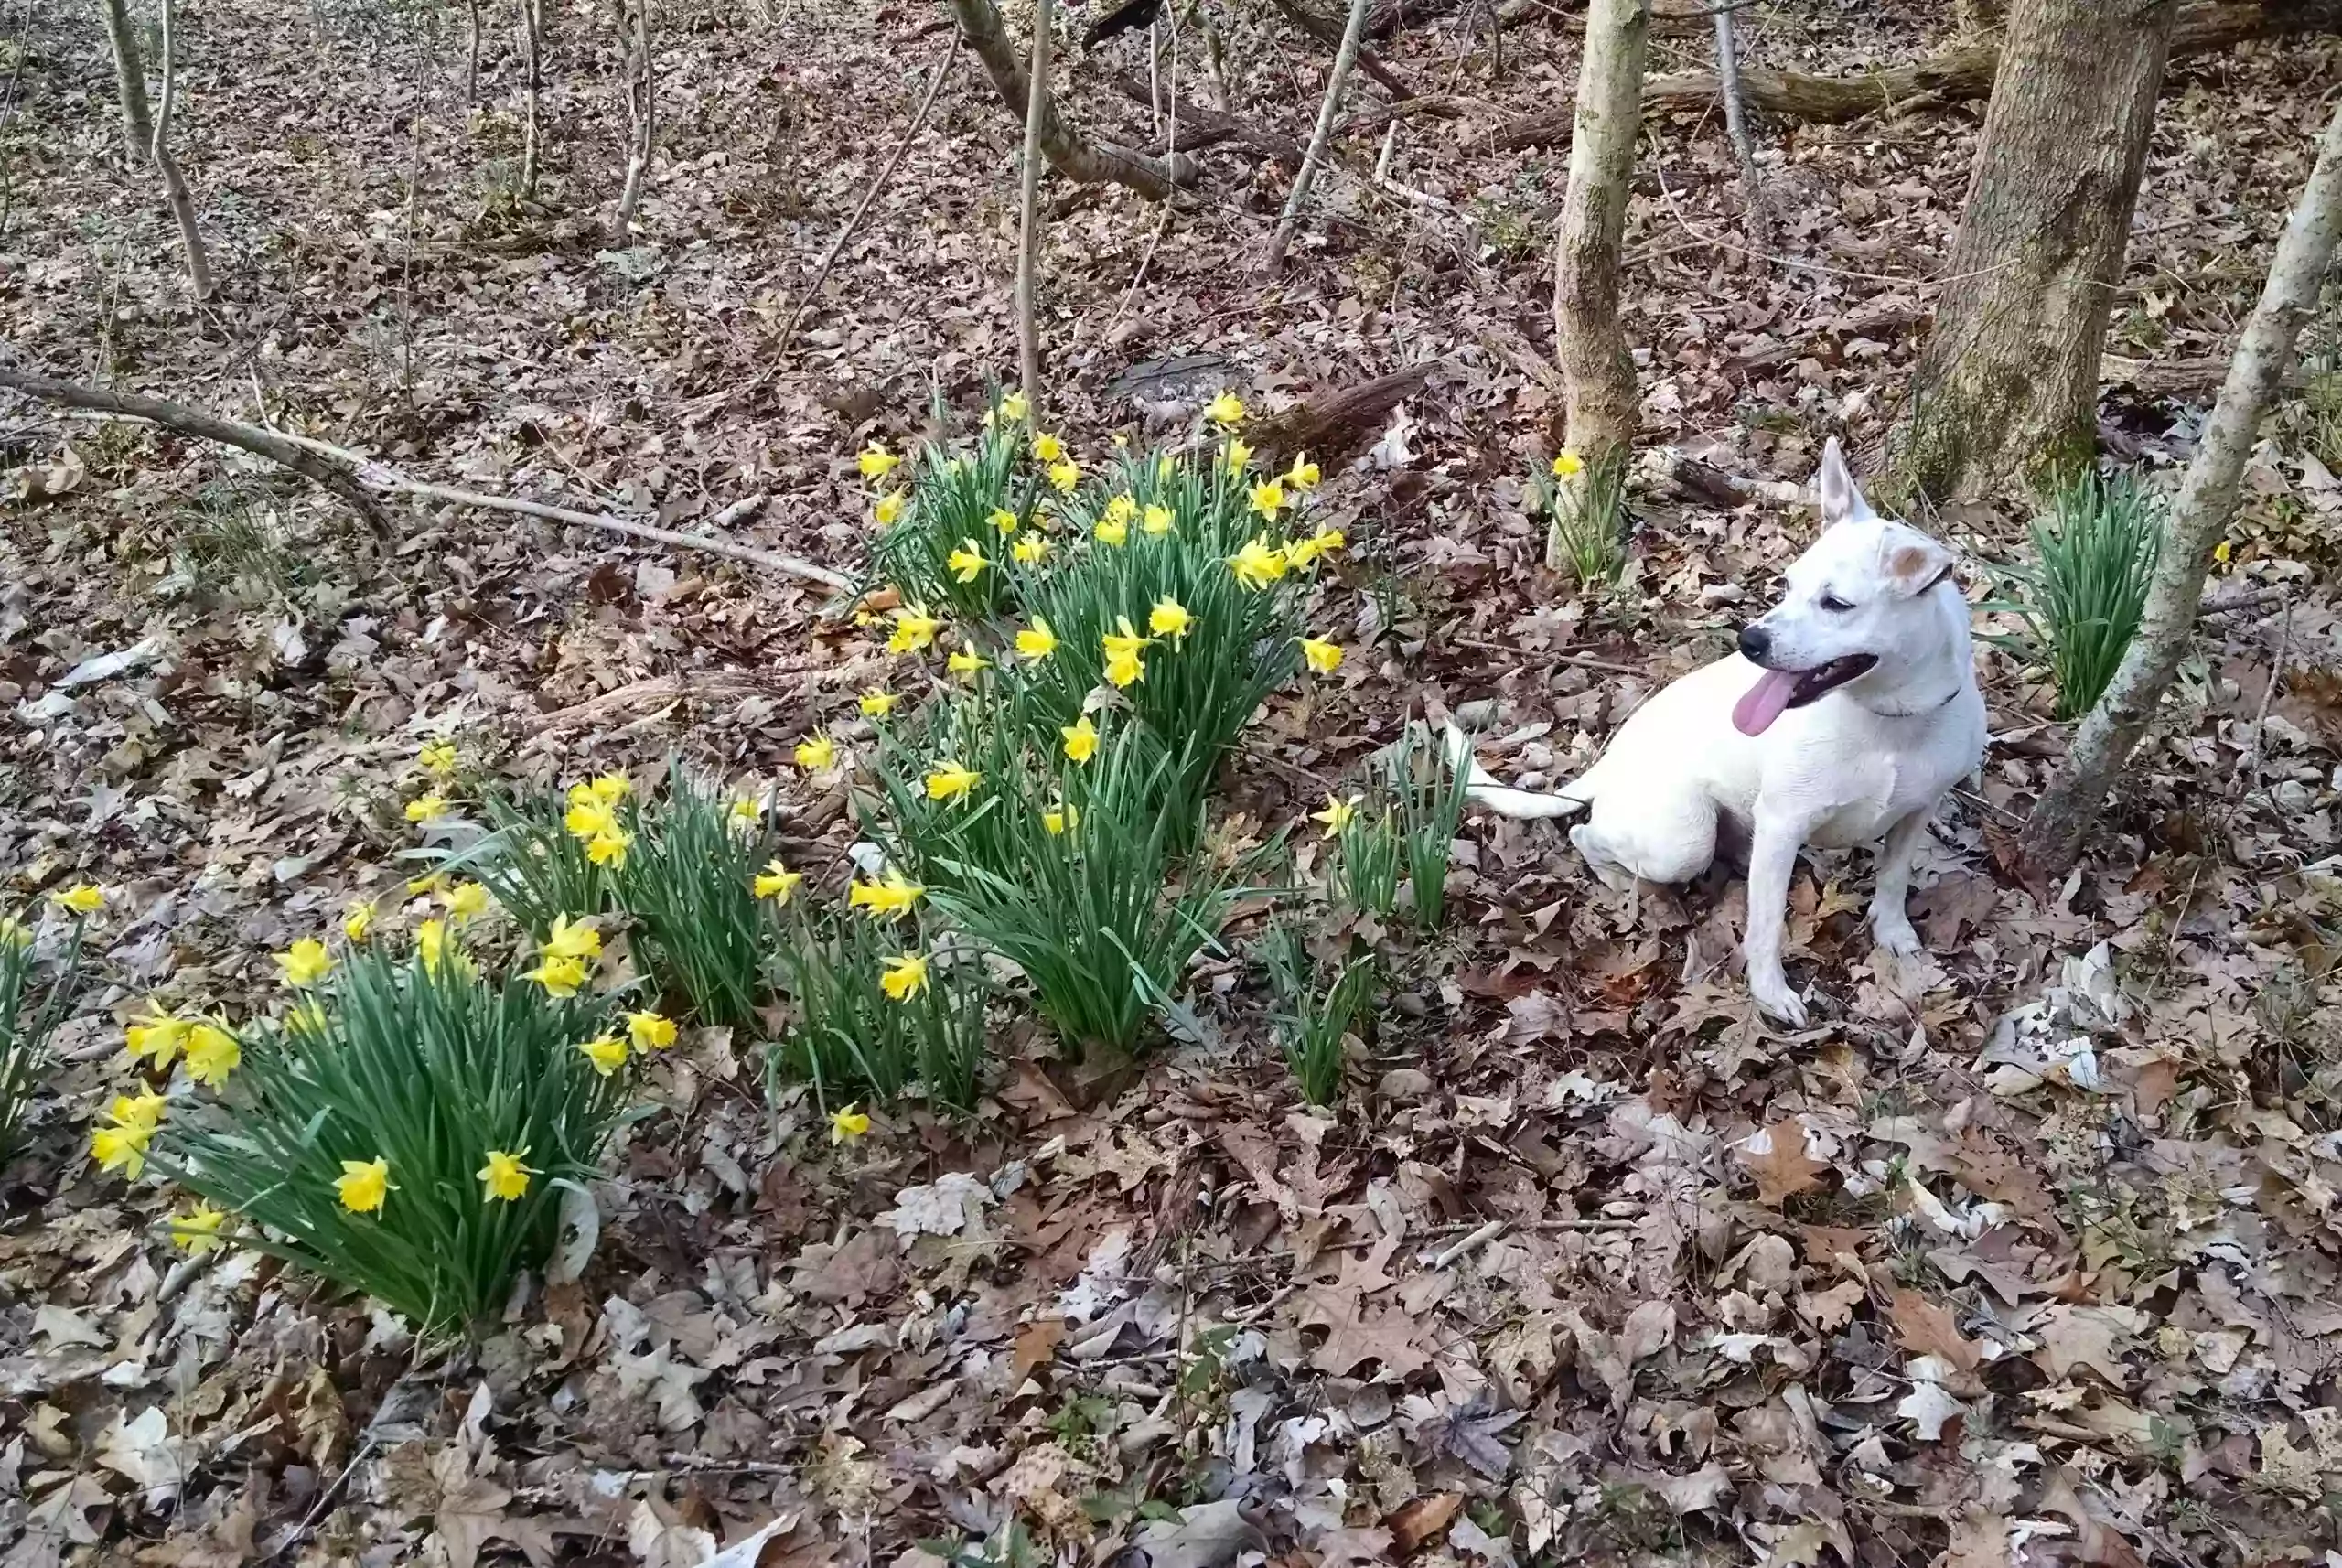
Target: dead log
x,y
1336,426
1964,72
1079,159
1327,32
1200,127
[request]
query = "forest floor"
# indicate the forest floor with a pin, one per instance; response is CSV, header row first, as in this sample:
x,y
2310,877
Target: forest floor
x,y
2026,1253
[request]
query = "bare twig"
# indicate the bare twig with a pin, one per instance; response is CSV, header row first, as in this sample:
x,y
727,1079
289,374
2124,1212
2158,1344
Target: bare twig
x,y
918,122
1328,111
1028,220
1735,124
642,111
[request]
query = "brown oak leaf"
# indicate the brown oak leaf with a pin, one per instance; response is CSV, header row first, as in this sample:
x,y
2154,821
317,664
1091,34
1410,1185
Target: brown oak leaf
x,y
1784,1169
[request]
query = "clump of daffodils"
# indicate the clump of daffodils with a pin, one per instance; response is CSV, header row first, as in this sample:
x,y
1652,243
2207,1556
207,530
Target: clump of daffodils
x,y
404,1133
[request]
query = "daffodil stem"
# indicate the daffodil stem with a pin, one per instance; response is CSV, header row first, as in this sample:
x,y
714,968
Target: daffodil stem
x,y
1028,223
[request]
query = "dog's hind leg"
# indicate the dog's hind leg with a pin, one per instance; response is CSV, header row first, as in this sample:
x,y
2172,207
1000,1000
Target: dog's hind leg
x,y
1669,838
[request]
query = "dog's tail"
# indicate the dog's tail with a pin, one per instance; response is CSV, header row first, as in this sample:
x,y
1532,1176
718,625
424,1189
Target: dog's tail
x,y
1483,790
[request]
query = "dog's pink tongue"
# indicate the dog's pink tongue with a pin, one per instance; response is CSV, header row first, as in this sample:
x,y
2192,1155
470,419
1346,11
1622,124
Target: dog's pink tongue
x,y
1764,703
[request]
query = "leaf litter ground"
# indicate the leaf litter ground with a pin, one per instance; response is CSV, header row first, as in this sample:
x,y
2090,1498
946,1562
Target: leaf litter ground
x,y
2026,1254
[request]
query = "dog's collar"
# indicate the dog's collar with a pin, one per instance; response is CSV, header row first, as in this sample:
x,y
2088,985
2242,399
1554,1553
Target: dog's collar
x,y
1915,712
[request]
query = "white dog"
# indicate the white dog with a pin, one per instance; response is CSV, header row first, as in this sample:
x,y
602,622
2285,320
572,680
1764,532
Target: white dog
x,y
1850,710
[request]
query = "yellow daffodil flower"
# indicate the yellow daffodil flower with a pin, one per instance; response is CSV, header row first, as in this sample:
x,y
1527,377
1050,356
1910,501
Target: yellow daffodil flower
x,y
876,462
884,899
816,753
309,1018
1568,465
358,919
966,661
423,807
1225,410
81,898
649,1031
1269,499
776,881
1303,474
608,847
846,1124
437,758
1122,508
914,630
1031,550
198,1230
158,1035
1337,815
877,704
952,782
364,1185
139,1112
1324,541
1323,657
466,901
1237,457
1122,663
904,977
1158,520
1064,476
967,563
1014,407
431,944
1037,641
120,1149
1058,818
1004,522
212,1054
886,508
1081,740
587,817
1258,565
1110,531
504,1180
560,977
747,810
608,787
1170,618
580,939
607,1052
1048,448
306,963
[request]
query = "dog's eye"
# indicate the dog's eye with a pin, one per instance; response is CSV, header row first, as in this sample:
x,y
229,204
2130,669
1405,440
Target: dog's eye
x,y
1835,605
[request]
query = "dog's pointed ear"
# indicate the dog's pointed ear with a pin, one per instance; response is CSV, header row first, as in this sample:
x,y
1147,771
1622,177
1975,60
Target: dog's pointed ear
x,y
1912,563
1840,501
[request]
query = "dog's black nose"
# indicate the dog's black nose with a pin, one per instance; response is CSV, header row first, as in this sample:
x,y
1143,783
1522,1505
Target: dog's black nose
x,y
1755,644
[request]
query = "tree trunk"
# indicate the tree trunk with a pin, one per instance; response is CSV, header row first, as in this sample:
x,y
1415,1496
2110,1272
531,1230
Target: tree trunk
x,y
1083,162
533,33
2054,832
642,113
471,53
1345,55
2007,385
1028,217
129,81
1597,371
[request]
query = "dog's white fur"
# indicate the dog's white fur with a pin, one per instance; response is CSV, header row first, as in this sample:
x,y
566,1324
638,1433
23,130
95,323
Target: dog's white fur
x,y
1868,760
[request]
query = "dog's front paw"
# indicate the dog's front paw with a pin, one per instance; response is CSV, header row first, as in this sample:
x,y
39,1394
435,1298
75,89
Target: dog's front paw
x,y
1778,997
1893,932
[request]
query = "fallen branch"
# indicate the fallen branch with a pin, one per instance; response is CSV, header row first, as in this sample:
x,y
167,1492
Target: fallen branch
x,y
356,479
1327,32
919,123
1079,159
1201,127
1328,111
1964,72
209,427
1334,425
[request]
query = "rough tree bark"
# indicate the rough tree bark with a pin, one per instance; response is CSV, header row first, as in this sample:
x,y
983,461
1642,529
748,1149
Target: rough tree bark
x,y
147,132
1083,162
643,115
1345,55
532,35
2053,834
1597,370
471,53
2005,388
1028,217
